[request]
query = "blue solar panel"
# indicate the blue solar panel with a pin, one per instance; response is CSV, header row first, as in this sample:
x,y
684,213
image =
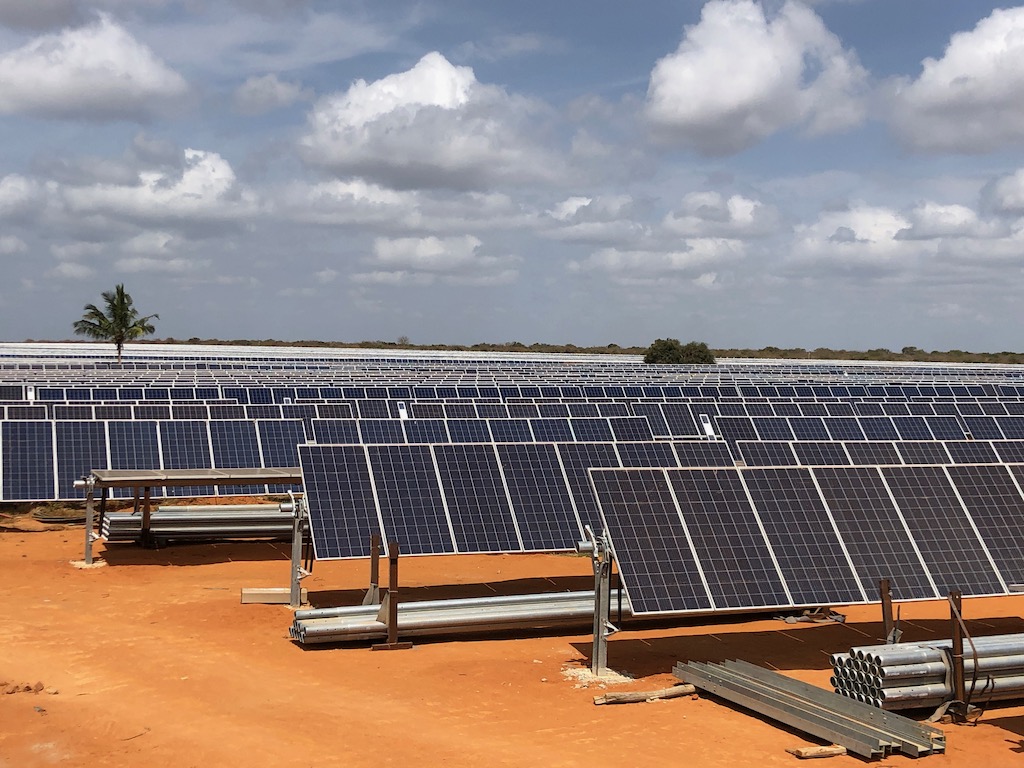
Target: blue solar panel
x,y
577,458
27,451
974,452
477,501
551,430
703,453
727,539
381,431
540,496
802,537
646,454
411,507
809,428
820,454
930,452
655,418
340,498
652,548
425,431
870,453
510,430
186,445
940,528
873,532
766,454
279,441
996,507
335,431
469,431
591,430
633,428
235,445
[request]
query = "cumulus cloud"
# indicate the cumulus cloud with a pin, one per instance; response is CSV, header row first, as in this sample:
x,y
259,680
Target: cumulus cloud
x,y
599,220
696,262
95,72
971,99
932,220
259,95
18,194
711,214
422,260
433,126
740,75
203,190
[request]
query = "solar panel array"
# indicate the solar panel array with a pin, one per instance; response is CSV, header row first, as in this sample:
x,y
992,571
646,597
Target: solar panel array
x,y
758,538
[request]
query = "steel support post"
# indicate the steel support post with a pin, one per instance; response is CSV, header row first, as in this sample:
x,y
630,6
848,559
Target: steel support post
x,y
888,625
146,535
89,519
298,572
372,596
389,608
602,609
959,708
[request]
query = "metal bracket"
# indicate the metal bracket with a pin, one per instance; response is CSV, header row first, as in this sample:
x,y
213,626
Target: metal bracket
x,y
601,561
298,573
88,484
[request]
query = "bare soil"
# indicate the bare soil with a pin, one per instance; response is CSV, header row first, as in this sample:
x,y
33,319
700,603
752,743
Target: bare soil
x,y
153,661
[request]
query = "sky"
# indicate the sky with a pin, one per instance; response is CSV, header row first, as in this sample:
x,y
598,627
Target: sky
x,y
838,173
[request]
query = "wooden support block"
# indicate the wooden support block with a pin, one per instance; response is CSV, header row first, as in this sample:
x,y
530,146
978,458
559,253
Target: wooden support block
x,y
807,753
269,595
635,696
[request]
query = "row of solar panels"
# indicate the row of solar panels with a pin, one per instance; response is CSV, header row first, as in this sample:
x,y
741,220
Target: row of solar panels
x,y
874,453
40,460
727,539
578,390
492,409
480,497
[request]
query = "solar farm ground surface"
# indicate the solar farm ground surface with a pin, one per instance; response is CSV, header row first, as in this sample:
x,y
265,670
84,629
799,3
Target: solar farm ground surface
x,y
156,663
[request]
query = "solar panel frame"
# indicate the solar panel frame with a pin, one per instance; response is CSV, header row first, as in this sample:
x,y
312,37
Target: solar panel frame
x,y
408,496
539,491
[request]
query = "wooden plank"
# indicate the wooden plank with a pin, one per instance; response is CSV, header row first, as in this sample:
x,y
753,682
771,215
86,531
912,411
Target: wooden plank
x,y
635,696
808,753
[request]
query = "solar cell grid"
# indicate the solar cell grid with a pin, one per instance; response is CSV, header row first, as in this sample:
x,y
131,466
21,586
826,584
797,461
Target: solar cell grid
x,y
874,534
425,431
540,496
279,441
510,430
878,428
805,543
996,507
820,453
872,453
727,539
646,454
469,431
973,451
186,445
940,528
844,429
630,428
930,452
1011,426
381,431
339,496
983,427
235,444
551,430
576,459
591,429
773,428
81,447
809,428
945,427
766,454
411,507
477,500
659,571
703,453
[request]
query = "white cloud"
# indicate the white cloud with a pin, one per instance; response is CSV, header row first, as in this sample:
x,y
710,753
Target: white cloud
x,y
604,220
695,261
150,244
1005,193
97,72
204,190
432,126
972,99
933,220
741,75
10,245
711,214
422,260
69,270
259,95
18,194
149,264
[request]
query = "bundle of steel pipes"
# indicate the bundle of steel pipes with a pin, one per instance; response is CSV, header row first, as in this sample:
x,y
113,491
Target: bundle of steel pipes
x,y
239,521
909,675
448,617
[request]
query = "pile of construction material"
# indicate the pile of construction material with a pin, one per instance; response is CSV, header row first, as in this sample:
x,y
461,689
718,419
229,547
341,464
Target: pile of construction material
x,y
201,523
910,675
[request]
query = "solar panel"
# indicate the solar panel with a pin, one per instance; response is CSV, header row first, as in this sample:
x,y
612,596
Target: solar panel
x,y
551,430
996,508
703,453
931,452
235,444
411,507
943,534
844,429
469,431
878,428
381,431
727,539
649,454
875,536
1010,451
186,445
591,430
972,452
27,451
340,498
81,447
912,428
279,441
766,454
576,459
809,428
773,428
652,548
630,428
814,454
540,496
425,431
868,453
510,430
802,536
680,419
336,431
655,418
983,427
478,504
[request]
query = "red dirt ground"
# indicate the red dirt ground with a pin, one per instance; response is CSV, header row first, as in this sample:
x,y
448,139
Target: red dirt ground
x,y
156,663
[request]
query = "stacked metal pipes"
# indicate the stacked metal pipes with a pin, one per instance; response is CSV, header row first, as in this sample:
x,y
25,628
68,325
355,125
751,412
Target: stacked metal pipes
x,y
909,675
210,522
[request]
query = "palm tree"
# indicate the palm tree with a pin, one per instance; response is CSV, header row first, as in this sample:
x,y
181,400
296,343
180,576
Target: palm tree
x,y
119,323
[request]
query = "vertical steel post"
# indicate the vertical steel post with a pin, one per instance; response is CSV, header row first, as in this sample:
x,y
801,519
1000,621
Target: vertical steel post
x,y
295,595
888,626
391,608
959,687
88,521
602,610
372,596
